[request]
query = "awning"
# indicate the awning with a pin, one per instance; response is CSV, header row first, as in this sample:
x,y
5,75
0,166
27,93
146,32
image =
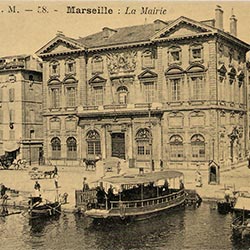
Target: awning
x,y
10,146
242,203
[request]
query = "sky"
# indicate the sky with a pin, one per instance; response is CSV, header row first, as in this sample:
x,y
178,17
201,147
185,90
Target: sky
x,y
27,31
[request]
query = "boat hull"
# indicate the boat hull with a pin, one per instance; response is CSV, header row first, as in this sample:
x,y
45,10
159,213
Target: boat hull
x,y
134,214
46,210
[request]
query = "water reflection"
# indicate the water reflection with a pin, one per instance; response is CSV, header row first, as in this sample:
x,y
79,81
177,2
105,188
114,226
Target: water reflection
x,y
201,228
38,225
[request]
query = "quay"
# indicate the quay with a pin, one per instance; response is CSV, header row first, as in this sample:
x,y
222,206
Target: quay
x,y
71,178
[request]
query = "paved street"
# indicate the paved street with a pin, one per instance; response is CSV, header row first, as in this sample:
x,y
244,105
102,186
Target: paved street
x,y
70,179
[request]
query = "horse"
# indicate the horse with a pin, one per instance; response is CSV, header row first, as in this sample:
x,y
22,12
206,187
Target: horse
x,y
90,164
48,173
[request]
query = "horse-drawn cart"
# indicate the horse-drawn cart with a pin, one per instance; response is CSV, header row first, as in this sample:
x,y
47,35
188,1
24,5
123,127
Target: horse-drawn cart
x,y
6,161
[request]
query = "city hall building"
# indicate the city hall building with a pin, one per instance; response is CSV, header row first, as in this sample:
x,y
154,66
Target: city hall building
x,y
168,94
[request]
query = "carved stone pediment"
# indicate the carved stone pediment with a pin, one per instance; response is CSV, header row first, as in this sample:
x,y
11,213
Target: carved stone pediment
x,y
97,80
121,62
147,74
60,44
183,27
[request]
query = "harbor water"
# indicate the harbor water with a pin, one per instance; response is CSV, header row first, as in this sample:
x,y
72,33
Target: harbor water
x,y
202,228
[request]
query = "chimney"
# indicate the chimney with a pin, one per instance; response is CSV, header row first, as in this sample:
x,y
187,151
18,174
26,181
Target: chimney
x,y
159,24
219,17
107,32
233,25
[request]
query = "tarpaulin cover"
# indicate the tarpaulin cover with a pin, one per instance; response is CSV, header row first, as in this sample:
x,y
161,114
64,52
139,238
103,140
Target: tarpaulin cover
x,y
10,146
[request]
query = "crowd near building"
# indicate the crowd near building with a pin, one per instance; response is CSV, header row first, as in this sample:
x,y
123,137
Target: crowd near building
x,y
168,94
21,108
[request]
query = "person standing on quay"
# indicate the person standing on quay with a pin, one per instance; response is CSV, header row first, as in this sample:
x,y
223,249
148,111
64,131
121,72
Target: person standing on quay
x,y
248,160
55,171
56,181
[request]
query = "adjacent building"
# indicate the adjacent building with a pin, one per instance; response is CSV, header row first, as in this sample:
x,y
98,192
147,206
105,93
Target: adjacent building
x,y
167,94
20,107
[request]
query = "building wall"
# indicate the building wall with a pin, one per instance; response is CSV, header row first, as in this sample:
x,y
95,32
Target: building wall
x,y
220,112
20,107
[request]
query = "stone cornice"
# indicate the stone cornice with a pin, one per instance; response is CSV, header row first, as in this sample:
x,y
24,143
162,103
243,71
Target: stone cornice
x,y
61,53
119,46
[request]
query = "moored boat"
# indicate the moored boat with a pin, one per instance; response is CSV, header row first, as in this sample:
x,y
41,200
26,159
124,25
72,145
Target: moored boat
x,y
40,209
137,197
241,209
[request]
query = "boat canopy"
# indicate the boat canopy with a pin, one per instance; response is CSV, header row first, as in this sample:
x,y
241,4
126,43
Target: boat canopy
x,y
242,203
144,178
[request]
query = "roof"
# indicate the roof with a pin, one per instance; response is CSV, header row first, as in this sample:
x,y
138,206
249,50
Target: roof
x,y
130,34
145,178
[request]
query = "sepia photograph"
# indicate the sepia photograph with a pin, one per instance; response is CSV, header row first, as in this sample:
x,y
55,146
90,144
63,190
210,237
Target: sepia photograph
x,y
124,125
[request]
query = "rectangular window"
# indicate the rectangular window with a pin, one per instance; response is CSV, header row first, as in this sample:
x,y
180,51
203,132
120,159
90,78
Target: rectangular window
x,y
1,134
175,56
98,96
198,87
149,91
196,53
55,98
147,60
97,66
175,86
11,95
54,69
71,97
70,68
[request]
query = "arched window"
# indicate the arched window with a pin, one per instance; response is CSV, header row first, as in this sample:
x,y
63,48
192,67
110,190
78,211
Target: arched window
x,y
97,65
147,59
71,148
56,148
94,143
143,141
176,147
198,147
122,95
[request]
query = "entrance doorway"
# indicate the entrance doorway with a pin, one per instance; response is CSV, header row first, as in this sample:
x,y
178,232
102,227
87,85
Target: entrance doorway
x,y
118,145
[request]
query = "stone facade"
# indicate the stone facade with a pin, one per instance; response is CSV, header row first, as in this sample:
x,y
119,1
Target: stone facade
x,y
166,94
21,124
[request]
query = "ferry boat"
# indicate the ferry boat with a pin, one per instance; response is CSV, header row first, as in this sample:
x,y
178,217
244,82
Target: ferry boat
x,y
40,209
137,197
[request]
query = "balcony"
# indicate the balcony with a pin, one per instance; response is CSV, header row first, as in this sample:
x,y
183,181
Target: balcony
x,y
12,65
